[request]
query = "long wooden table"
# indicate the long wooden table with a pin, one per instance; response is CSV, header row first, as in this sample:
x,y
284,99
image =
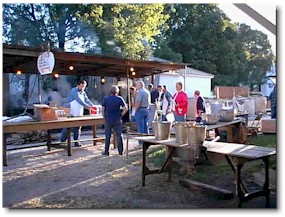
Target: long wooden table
x,y
52,125
235,154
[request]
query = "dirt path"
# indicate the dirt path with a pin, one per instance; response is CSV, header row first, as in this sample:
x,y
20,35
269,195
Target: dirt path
x,y
35,178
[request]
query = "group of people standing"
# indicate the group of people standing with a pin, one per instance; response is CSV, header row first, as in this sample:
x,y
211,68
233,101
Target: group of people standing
x,y
143,104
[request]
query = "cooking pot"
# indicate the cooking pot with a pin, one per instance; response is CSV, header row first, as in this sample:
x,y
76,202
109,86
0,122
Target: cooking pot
x,y
226,115
161,130
211,118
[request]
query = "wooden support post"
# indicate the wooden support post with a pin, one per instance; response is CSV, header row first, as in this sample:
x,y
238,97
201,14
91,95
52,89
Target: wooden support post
x,y
208,189
170,151
238,185
4,149
69,151
144,163
49,140
266,183
127,145
94,130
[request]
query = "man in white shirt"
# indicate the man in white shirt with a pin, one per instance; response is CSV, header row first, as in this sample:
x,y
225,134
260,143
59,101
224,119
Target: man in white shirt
x,y
77,101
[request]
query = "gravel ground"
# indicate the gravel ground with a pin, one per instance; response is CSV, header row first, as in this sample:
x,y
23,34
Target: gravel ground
x,y
35,178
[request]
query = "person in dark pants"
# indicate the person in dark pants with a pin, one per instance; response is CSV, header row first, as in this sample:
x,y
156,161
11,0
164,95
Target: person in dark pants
x,y
77,101
111,110
272,99
200,106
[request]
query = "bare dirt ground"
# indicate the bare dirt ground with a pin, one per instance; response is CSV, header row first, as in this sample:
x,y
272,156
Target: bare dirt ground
x,y
36,178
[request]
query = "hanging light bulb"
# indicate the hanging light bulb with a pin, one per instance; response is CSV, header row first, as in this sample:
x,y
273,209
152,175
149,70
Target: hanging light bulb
x,y
56,75
71,67
132,69
103,80
133,73
19,72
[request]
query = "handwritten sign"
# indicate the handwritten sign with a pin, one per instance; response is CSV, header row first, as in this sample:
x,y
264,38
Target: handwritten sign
x,y
46,63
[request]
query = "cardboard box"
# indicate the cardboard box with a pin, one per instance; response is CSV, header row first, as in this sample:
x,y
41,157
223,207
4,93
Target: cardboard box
x,y
45,114
268,125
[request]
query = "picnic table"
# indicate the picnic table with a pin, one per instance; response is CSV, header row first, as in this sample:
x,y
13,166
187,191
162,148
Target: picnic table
x,y
94,121
235,154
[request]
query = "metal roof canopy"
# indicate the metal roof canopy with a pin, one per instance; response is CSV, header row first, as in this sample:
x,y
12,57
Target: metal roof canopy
x,y
24,58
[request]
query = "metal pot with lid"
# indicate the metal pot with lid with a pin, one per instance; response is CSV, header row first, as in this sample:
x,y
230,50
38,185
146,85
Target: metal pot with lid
x,y
226,115
211,118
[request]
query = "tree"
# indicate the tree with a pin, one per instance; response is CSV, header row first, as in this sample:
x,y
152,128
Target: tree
x,y
259,55
33,24
129,29
204,36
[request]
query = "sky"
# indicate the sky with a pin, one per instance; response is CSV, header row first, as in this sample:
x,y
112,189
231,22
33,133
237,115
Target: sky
x,y
266,10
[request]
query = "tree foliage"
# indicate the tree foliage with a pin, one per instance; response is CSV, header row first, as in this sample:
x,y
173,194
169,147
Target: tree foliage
x,y
206,38
33,24
128,30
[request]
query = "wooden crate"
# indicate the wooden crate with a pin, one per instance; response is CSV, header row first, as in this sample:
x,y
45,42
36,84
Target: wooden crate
x,y
268,125
224,92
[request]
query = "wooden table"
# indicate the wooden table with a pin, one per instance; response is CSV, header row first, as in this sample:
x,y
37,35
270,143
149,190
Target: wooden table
x,y
236,155
51,125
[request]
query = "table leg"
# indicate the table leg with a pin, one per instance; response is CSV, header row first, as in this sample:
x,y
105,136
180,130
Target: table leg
x,y
94,130
127,145
49,140
144,163
69,142
266,183
4,149
170,152
230,163
238,185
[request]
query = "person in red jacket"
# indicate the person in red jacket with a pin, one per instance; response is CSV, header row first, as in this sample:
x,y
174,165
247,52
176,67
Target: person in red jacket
x,y
180,103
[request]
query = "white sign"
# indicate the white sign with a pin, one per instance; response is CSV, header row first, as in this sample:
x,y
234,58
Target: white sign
x,y
46,63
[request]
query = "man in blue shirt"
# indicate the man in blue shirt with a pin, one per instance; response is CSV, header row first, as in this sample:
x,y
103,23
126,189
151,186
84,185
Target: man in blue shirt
x,y
111,110
76,101
272,99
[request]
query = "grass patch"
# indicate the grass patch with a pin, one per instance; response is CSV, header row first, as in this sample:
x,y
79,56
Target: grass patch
x,y
266,140
157,156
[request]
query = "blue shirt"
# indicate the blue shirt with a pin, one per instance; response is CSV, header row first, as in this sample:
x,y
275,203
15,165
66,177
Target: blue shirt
x,y
74,95
113,106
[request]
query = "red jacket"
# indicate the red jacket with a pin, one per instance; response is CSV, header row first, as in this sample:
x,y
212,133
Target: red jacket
x,y
182,100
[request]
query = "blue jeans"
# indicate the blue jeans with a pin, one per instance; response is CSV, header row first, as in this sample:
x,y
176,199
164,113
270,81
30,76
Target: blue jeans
x,y
163,118
117,127
142,120
179,118
133,118
76,134
273,112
